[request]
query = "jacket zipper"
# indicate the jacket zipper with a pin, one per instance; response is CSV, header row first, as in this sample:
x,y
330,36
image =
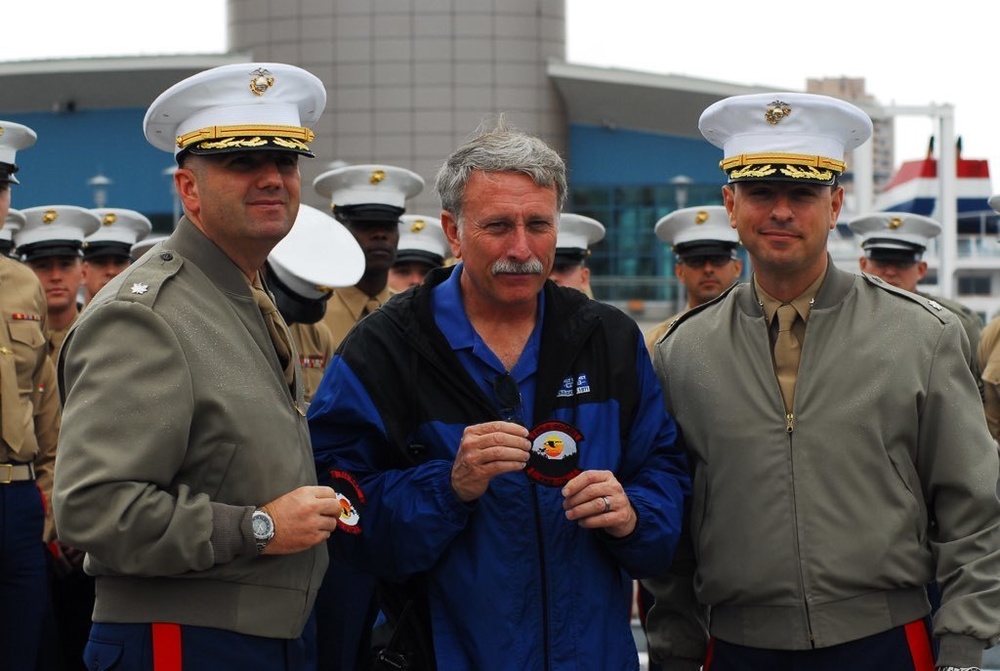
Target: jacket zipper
x,y
544,583
789,430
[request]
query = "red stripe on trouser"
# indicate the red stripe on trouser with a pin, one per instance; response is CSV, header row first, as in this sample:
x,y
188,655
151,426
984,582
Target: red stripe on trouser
x,y
708,654
920,645
166,647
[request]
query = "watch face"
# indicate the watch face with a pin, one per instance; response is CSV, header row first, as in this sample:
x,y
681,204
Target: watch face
x,y
263,528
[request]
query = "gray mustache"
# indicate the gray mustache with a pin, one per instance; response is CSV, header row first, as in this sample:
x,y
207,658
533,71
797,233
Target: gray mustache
x,y
508,267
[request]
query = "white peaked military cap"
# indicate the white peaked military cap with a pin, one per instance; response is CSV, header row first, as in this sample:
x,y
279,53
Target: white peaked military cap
x,y
146,244
698,231
54,230
238,107
796,137
317,255
13,136
13,222
421,239
576,234
368,192
994,202
120,229
894,235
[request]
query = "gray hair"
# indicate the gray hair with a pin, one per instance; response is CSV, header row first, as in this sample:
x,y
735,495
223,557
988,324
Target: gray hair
x,y
499,149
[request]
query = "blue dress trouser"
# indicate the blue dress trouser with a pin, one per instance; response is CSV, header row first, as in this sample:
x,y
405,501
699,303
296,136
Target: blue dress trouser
x,y
23,574
904,648
171,647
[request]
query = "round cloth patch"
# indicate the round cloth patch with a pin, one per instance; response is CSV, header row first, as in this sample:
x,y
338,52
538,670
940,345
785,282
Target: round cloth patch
x,y
555,454
351,499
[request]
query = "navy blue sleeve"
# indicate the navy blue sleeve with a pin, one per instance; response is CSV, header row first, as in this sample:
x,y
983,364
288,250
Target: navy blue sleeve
x,y
408,517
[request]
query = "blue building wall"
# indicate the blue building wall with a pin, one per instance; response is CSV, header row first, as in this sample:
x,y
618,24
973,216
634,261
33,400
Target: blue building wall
x,y
620,157
72,147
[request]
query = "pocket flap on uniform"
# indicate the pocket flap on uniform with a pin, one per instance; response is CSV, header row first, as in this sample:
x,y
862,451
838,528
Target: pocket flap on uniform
x,y
102,655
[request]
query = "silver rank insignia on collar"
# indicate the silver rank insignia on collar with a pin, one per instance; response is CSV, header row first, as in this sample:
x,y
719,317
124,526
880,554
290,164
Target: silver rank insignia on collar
x,y
140,288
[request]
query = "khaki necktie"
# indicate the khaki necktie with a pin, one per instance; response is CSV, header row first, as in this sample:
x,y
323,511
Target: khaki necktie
x,y
371,305
786,353
276,329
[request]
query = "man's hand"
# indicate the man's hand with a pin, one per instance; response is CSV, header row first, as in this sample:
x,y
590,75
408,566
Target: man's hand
x,y
597,501
66,560
487,450
303,517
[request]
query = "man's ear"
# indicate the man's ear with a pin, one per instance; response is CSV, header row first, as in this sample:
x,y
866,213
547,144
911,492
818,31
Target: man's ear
x,y
450,226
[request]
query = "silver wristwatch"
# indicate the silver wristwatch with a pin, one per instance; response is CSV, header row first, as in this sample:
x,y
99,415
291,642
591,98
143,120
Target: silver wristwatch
x,y
263,528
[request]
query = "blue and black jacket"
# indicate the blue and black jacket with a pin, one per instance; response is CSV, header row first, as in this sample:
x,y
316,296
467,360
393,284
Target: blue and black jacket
x,y
505,581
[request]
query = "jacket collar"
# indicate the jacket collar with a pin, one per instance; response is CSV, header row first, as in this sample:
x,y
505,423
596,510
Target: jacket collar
x,y
193,245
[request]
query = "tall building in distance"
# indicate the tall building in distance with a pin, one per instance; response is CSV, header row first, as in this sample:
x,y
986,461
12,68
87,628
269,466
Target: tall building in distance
x,y
407,82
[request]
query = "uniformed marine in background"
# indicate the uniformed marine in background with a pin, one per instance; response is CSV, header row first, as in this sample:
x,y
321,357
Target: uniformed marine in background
x,y
894,244
51,243
27,456
107,251
576,235
368,200
14,221
988,359
422,247
705,249
303,270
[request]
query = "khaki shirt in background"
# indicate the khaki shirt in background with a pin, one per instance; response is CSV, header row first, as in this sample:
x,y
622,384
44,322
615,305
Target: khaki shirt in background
x,y
23,356
48,417
57,337
344,310
314,343
988,358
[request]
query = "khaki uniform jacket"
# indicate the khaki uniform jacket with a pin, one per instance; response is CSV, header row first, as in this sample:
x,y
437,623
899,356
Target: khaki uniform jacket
x,y
344,310
23,358
655,333
973,325
815,529
314,343
177,422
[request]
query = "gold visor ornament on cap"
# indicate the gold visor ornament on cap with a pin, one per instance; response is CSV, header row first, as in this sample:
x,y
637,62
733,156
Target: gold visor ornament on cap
x,y
247,137
377,177
701,217
895,223
110,218
49,216
418,225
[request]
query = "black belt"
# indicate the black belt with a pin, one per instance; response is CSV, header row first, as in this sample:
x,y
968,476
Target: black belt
x,y
16,473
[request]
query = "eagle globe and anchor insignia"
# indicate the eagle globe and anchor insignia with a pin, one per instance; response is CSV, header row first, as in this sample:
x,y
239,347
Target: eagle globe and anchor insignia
x,y
554,459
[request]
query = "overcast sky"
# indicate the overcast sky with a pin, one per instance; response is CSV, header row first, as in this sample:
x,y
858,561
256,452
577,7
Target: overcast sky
x,y
909,55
